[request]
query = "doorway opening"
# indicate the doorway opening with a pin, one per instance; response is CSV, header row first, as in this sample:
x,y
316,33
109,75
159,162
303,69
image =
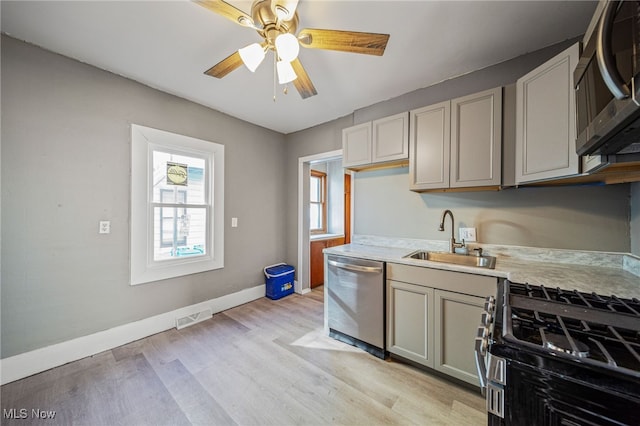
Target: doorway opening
x,y
329,214
324,213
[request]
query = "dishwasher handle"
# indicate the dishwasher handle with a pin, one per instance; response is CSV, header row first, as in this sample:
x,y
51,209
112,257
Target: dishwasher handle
x,y
356,268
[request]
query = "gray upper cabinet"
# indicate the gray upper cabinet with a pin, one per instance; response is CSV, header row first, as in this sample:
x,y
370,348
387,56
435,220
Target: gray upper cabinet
x,y
385,140
430,146
356,145
545,120
476,137
457,143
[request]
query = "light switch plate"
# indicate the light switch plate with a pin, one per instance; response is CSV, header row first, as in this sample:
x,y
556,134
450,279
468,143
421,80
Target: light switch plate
x,y
468,234
234,222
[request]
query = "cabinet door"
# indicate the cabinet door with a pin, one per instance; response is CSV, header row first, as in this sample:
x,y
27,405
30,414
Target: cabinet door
x,y
429,146
316,263
545,120
391,138
356,145
456,321
409,321
476,139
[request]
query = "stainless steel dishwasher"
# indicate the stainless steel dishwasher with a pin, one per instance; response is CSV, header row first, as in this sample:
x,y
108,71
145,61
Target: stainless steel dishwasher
x,y
355,290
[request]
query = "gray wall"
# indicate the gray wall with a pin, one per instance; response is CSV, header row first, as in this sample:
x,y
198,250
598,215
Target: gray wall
x,y
634,221
588,218
592,218
66,166
498,75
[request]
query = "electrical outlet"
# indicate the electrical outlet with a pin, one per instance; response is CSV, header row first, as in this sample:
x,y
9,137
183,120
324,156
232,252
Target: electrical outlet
x,y
104,227
468,234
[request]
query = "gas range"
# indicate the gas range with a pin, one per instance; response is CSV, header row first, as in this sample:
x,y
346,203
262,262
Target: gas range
x,y
556,356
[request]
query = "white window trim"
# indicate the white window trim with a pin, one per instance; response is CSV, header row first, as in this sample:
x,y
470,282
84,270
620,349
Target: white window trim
x,y
143,268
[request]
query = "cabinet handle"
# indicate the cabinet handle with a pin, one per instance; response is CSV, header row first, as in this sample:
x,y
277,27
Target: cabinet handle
x,y
357,268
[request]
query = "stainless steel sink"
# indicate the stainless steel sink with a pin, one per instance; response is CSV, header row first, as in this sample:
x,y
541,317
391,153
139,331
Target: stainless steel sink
x,y
488,262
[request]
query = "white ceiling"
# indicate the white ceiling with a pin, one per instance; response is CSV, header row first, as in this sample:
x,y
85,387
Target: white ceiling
x,y
169,44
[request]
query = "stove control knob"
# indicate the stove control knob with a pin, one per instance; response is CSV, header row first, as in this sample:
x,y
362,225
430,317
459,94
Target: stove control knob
x,y
483,332
490,304
482,340
486,318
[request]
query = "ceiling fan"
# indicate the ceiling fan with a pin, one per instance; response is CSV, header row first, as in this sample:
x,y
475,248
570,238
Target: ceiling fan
x,y
276,21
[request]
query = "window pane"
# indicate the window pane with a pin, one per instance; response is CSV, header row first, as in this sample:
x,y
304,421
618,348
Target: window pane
x,y
315,217
179,232
176,177
316,189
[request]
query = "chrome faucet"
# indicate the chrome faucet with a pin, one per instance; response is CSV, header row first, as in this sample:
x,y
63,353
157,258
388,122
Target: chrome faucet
x,y
452,242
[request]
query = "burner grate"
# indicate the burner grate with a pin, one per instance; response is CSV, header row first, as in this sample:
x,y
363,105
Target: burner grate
x,y
575,297
604,330
611,345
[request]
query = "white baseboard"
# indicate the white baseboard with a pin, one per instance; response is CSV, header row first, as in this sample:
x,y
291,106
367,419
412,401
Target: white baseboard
x,y
29,363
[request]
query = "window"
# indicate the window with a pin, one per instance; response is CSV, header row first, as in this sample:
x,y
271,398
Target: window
x,y
177,195
318,203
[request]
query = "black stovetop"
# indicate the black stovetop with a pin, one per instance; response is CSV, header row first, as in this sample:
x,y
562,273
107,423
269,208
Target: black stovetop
x,y
602,331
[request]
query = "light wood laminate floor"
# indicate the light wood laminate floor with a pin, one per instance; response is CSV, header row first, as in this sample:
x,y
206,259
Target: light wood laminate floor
x,y
263,363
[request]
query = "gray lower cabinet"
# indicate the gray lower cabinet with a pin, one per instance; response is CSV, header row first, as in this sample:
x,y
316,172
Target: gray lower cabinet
x,y
456,317
409,321
433,315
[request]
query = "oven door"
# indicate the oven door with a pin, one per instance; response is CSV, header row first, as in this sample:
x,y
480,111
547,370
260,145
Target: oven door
x,y
535,395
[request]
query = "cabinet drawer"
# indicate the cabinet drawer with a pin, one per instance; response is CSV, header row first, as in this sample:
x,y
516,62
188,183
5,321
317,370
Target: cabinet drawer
x,y
475,285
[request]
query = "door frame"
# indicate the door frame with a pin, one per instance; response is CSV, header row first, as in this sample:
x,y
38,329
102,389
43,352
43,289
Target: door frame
x,y
304,171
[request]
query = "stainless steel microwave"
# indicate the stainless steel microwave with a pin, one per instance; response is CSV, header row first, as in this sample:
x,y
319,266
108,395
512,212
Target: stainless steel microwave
x,y
607,82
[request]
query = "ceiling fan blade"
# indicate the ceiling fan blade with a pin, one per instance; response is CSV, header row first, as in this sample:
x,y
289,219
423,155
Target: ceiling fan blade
x,y
284,9
303,83
225,66
228,11
344,41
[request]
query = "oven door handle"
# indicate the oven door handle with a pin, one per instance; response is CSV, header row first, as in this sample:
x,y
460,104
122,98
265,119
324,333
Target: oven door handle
x,y
481,353
606,61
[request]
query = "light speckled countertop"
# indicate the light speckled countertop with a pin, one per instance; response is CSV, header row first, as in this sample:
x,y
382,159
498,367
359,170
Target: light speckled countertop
x,y
599,272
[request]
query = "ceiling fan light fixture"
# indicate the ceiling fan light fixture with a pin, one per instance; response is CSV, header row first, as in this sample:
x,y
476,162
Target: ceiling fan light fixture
x,y
286,74
287,47
245,21
281,12
252,56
